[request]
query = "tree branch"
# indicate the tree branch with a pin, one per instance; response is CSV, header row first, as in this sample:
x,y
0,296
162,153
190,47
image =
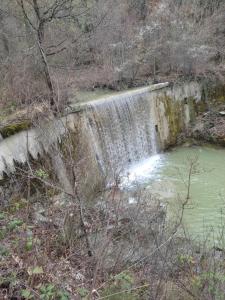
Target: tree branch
x,y
21,4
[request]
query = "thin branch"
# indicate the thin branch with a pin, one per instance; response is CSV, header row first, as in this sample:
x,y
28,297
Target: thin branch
x,y
37,10
21,4
77,39
57,51
57,45
56,8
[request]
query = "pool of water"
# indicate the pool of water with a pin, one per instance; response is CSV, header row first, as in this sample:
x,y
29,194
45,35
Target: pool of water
x,y
167,176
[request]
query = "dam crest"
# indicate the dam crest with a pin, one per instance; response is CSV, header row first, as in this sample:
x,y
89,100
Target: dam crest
x,y
119,129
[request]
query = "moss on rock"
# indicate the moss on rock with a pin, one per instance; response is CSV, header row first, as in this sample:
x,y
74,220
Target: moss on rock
x,y
216,94
20,120
174,113
14,128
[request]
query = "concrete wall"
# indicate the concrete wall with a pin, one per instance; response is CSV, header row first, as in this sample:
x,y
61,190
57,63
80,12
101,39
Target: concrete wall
x,y
174,109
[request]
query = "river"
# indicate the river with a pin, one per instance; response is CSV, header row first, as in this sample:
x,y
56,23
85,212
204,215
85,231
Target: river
x,y
167,176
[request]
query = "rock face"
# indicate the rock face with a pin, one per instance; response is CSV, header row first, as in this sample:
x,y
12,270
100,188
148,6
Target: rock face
x,y
210,127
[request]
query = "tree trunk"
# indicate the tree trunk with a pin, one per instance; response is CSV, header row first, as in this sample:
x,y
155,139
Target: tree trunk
x,y
47,76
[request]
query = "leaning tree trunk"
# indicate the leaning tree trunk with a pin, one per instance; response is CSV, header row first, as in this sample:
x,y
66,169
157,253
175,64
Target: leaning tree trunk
x,y
47,75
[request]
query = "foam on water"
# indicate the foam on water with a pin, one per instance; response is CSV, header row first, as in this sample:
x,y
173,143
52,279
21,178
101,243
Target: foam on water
x,y
141,172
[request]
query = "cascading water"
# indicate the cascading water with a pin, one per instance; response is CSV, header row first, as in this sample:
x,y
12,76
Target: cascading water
x,y
122,129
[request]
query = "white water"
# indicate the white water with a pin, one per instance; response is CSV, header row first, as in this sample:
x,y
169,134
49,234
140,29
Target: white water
x,y
141,172
166,175
122,130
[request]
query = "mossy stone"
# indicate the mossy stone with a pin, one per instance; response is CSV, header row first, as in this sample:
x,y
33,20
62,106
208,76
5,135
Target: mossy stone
x,y
13,128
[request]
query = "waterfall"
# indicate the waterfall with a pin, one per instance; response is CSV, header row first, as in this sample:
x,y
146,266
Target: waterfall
x,y
122,129
118,130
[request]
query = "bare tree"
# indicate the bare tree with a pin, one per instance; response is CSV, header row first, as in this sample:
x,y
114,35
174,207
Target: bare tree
x,y
40,15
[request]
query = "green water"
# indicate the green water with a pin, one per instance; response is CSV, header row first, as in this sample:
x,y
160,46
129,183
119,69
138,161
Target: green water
x,y
204,213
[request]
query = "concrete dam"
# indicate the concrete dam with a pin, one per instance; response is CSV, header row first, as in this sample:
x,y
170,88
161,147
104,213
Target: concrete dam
x,y
115,130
